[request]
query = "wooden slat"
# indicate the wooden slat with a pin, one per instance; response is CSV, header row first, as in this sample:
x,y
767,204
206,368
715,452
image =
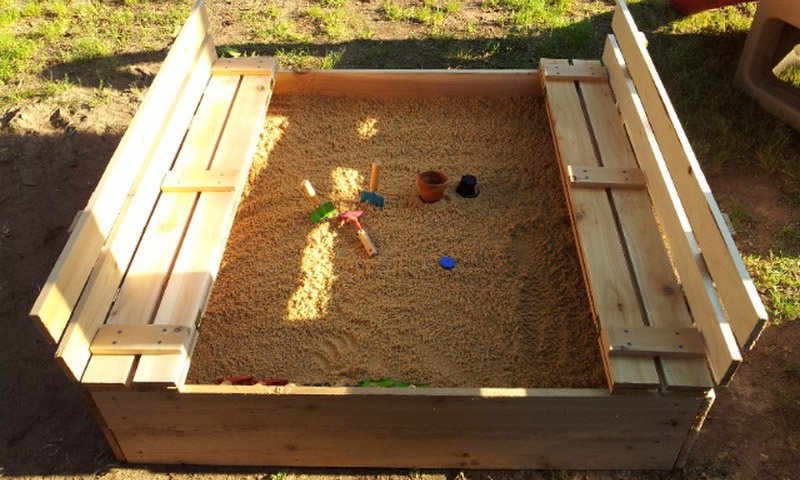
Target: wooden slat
x,y
695,431
663,303
201,253
746,313
78,215
653,341
409,83
107,433
605,177
147,275
199,181
244,66
569,73
409,428
104,282
723,353
612,291
60,293
140,339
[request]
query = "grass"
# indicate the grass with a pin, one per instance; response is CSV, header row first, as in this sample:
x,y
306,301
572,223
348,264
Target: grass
x,y
48,48
777,277
432,13
740,218
338,20
84,36
532,13
791,75
332,58
268,24
279,475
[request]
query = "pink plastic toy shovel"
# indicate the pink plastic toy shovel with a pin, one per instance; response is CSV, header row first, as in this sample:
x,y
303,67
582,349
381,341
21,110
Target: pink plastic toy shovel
x,y
352,217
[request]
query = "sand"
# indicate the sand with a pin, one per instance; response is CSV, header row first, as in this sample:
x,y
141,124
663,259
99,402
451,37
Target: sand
x,y
302,301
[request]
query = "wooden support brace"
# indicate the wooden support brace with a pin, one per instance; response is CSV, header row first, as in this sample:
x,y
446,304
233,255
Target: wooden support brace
x,y
244,66
199,181
140,339
605,177
573,73
653,341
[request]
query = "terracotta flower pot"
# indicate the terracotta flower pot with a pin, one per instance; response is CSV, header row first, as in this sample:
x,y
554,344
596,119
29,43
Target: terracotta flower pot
x,y
431,185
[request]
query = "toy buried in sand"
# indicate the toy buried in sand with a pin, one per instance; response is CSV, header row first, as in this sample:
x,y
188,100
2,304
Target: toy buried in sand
x,y
372,196
352,217
321,211
468,186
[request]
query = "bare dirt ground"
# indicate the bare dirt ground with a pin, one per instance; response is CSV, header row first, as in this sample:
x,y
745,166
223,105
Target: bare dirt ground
x,y
50,160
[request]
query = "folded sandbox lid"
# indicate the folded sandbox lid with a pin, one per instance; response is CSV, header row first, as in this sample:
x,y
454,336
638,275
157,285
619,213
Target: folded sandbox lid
x,y
644,214
134,277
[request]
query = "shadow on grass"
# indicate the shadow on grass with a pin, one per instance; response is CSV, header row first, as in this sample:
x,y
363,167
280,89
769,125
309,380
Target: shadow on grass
x,y
118,71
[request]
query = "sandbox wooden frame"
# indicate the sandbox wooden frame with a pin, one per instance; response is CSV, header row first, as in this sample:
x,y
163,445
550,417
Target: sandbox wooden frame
x,y
125,297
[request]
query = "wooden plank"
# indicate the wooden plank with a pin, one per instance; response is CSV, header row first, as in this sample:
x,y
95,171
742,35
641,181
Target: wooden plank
x,y
244,66
78,215
147,275
746,313
66,281
605,177
197,263
409,83
104,282
107,433
408,428
661,297
573,73
436,429
612,291
140,339
199,181
723,353
653,341
695,432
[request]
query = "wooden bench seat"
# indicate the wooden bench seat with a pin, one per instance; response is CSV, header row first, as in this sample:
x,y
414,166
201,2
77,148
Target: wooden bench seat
x,y
623,255
154,261
633,242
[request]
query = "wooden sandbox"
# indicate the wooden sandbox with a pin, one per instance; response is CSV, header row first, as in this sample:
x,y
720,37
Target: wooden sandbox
x,y
670,299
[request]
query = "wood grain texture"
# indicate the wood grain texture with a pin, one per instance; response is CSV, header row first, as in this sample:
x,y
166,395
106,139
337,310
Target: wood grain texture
x,y
742,303
198,261
66,281
605,177
409,83
144,283
116,255
654,342
577,72
443,428
139,339
662,301
244,66
612,291
199,181
723,353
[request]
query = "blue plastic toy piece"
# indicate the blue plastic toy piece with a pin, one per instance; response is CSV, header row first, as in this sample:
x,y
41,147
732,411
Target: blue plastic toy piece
x,y
447,263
